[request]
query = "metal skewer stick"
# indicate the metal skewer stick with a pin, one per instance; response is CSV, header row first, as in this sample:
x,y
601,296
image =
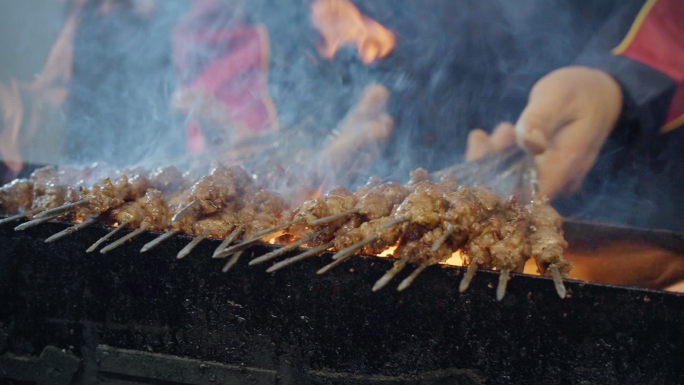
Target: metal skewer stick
x,y
71,230
232,262
245,244
450,230
504,277
36,222
190,207
503,156
394,222
558,281
188,249
468,276
20,216
106,237
333,264
409,280
355,247
390,274
276,253
281,226
226,242
300,257
346,253
152,244
61,209
331,218
123,240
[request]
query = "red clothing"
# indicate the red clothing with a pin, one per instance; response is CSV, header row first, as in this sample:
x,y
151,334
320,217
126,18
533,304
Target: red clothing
x,y
642,47
656,39
216,53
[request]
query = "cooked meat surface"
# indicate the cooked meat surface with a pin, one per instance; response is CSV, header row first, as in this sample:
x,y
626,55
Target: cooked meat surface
x,y
546,240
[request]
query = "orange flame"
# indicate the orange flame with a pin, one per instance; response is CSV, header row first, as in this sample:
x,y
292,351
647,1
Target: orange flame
x,y
388,253
340,22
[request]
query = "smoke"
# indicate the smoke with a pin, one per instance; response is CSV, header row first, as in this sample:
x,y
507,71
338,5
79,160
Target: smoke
x,y
118,109
457,65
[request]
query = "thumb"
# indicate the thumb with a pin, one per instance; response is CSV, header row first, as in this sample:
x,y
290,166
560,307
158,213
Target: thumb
x,y
548,109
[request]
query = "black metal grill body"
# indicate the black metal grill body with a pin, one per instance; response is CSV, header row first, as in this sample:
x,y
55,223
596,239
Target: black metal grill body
x,y
129,317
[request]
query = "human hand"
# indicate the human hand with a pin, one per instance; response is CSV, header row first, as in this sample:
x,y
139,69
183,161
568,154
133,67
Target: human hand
x,y
569,114
362,133
365,128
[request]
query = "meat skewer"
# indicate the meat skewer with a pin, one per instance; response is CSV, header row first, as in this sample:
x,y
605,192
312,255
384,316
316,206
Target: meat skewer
x,y
17,194
419,211
547,243
110,195
212,196
340,211
439,219
99,199
257,219
148,213
262,210
426,221
72,229
513,250
477,249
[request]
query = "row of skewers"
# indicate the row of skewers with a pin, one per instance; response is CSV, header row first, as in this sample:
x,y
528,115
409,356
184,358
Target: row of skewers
x,y
425,221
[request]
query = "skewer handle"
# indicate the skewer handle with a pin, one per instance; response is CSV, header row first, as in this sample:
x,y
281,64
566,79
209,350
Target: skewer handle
x,y
503,283
106,237
302,256
409,280
558,281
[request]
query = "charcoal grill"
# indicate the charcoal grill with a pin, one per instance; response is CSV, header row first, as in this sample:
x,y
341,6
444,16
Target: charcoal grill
x,y
74,318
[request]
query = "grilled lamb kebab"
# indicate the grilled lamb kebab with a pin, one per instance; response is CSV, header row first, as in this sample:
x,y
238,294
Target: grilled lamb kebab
x,y
213,191
420,211
148,213
547,243
373,201
464,208
47,188
513,249
107,195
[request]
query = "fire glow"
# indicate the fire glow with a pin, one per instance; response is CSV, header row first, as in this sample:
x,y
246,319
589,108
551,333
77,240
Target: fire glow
x,y
340,23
